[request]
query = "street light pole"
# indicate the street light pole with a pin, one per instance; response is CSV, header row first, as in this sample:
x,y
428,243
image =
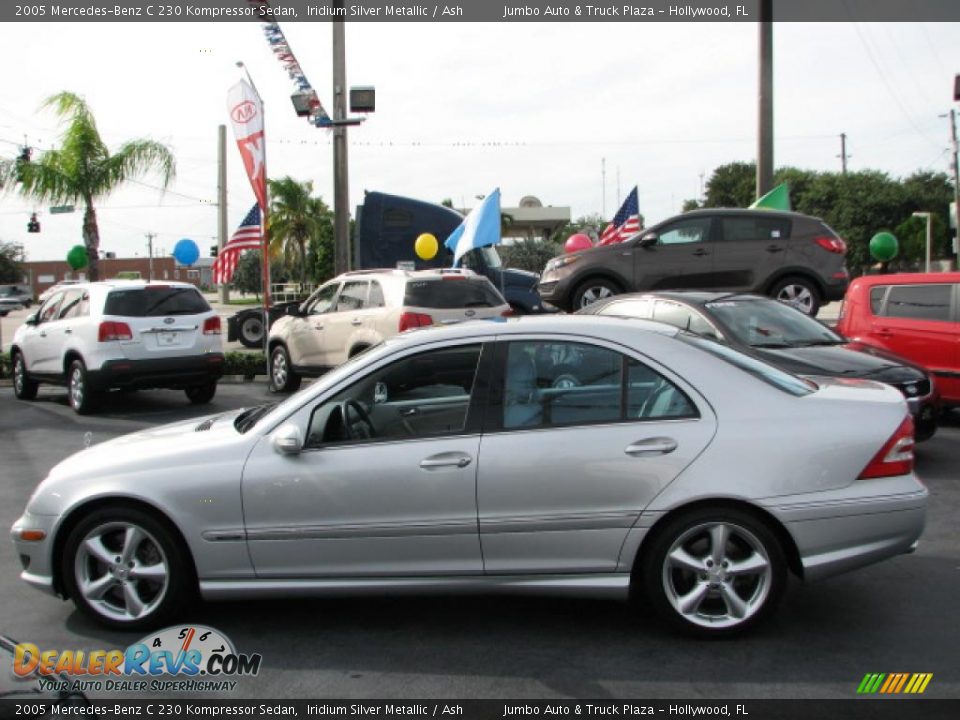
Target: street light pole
x,y
341,198
765,101
929,217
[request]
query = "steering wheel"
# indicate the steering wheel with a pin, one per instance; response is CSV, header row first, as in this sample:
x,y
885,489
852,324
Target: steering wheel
x,y
362,416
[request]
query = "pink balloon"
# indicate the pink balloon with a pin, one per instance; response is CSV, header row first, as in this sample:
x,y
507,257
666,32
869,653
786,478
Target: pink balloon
x,y
577,242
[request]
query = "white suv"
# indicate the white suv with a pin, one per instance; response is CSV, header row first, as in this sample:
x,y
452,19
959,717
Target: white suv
x,y
357,310
96,336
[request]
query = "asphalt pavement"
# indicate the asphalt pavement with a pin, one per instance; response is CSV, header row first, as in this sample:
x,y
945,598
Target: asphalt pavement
x,y
896,616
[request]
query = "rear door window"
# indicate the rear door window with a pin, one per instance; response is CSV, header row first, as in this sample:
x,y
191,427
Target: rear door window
x,y
754,228
155,301
352,297
453,292
919,302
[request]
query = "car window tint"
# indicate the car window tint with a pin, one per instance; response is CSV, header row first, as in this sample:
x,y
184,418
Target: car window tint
x,y
352,297
323,299
451,292
76,303
50,308
876,298
754,228
629,308
920,302
651,396
763,371
682,317
694,230
376,296
422,395
155,301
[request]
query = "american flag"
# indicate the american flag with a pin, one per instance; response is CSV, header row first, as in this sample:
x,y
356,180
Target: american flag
x,y
247,237
626,223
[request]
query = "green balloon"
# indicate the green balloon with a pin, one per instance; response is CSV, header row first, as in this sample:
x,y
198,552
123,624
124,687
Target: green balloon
x,y
77,257
884,247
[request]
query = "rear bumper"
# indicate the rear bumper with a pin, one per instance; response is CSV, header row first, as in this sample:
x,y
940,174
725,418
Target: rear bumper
x,y
179,372
842,530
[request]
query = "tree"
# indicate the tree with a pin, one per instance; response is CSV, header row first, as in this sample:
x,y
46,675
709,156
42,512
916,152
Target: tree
x,y
296,218
247,278
83,170
10,258
591,225
529,255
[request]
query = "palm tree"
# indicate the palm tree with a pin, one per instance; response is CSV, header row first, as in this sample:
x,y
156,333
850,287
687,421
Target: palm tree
x,y
83,170
295,218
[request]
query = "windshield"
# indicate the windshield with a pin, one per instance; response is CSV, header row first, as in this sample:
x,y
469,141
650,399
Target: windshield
x,y
480,258
155,300
763,371
249,417
770,324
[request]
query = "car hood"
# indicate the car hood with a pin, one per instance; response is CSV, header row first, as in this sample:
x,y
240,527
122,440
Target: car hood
x,y
840,361
512,277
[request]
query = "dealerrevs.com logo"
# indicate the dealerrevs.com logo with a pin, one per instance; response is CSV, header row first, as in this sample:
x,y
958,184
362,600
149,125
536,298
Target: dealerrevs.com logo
x,y
190,658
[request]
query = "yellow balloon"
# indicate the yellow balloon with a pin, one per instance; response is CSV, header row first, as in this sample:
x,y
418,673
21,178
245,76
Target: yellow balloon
x,y
426,246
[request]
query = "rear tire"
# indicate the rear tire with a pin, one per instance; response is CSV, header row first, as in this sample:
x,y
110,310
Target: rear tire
x,y
799,293
282,376
23,387
83,399
201,394
713,572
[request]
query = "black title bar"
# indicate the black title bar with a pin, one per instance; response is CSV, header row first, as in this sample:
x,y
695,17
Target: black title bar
x,y
476,11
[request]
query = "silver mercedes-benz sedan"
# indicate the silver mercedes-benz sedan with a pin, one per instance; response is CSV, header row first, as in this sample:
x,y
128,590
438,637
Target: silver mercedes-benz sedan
x,y
573,455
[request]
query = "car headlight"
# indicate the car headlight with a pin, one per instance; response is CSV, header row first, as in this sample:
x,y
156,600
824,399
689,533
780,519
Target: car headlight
x,y
560,262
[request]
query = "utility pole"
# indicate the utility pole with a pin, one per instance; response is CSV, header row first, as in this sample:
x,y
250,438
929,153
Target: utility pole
x,y
765,120
843,152
222,202
603,190
956,175
341,199
150,237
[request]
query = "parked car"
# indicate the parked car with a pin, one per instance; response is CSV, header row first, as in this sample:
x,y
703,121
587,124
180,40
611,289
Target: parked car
x,y
17,293
916,315
785,337
93,337
444,460
794,258
358,310
8,305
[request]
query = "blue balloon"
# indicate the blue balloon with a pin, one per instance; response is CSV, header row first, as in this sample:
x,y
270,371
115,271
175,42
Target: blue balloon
x,y
186,251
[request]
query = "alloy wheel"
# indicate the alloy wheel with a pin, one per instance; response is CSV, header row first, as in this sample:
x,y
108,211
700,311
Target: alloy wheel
x,y
797,296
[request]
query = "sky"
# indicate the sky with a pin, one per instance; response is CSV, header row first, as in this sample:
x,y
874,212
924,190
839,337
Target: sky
x,y
463,108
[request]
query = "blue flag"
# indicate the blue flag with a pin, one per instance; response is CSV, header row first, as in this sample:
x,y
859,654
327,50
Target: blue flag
x,y
481,227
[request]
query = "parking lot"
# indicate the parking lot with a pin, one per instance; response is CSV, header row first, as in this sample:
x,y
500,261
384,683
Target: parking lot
x,y
897,616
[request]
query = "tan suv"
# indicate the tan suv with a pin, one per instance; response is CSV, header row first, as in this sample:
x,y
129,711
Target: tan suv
x,y
357,310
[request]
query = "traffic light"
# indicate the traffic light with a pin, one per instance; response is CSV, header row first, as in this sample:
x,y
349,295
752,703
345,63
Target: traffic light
x,y
213,251
33,225
25,153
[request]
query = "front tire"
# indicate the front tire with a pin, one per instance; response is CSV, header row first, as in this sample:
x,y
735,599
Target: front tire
x,y
251,332
799,293
201,394
713,572
590,291
127,570
83,399
23,387
282,376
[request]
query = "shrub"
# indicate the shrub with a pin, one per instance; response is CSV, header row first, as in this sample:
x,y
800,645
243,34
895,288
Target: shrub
x,y
248,364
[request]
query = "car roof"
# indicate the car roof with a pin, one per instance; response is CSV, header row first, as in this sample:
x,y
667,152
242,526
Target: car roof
x,y
742,211
908,278
428,274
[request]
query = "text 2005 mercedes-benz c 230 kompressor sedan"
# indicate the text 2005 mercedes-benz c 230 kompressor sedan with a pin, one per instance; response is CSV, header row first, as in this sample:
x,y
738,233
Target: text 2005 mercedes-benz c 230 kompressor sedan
x,y
577,455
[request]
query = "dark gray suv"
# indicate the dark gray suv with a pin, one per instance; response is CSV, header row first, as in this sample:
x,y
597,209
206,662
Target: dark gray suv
x,y
791,257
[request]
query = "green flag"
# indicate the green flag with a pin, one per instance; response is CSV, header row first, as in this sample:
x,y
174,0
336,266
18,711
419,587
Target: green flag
x,y
776,199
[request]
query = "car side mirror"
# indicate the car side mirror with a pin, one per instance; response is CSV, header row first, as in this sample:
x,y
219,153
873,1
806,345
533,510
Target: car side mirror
x,y
32,319
647,240
287,440
295,310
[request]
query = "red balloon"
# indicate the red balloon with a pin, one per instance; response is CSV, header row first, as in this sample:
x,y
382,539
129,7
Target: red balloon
x,y
577,242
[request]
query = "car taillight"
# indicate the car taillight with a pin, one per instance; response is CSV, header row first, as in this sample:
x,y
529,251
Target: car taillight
x,y
509,312
110,330
410,320
211,326
895,457
832,244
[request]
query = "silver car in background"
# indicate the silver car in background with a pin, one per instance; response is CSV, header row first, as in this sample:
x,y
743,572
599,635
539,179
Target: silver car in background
x,y
573,455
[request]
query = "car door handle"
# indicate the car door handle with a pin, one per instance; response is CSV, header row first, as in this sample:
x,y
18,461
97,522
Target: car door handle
x,y
68,331
700,252
775,248
883,332
318,327
651,446
448,459
43,333
409,412
356,322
